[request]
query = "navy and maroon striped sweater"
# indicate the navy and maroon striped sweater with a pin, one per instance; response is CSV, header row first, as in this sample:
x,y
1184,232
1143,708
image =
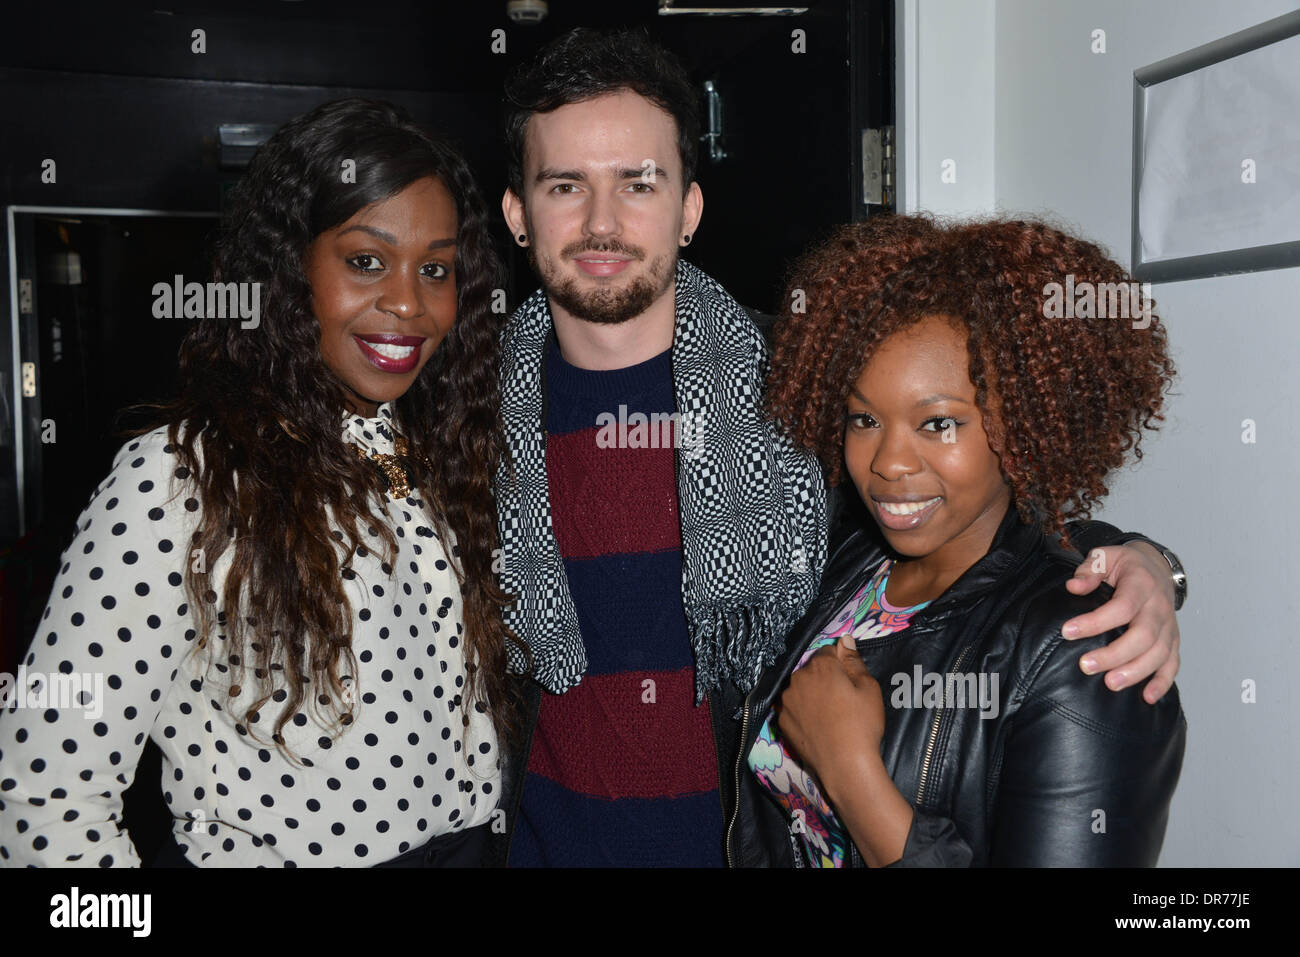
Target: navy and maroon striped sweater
x,y
622,770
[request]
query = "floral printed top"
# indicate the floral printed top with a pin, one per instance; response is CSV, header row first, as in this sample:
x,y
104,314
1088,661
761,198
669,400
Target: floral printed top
x,y
818,833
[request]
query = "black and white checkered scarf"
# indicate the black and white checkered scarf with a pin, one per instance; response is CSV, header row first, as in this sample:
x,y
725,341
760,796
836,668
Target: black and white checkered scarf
x,y
752,504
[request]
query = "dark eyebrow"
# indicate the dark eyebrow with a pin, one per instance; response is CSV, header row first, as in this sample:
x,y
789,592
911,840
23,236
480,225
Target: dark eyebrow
x,y
550,172
377,233
928,400
391,239
656,173
940,397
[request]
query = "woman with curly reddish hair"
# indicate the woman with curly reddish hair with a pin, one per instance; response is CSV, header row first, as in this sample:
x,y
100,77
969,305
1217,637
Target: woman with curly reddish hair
x,y
928,710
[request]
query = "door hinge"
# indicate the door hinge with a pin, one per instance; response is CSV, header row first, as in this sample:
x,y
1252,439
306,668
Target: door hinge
x,y
712,137
878,167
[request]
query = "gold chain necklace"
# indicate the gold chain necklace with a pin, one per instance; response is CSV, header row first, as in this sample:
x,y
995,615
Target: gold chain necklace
x,y
397,467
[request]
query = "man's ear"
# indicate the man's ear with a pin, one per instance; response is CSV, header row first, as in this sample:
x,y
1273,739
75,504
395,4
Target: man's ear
x,y
512,207
692,208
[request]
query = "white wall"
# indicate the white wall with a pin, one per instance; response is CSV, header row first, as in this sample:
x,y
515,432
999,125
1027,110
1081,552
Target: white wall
x,y
950,52
1056,140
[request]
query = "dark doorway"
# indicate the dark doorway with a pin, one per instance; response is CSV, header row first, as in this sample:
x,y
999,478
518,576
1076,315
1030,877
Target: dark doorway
x,y
132,115
116,94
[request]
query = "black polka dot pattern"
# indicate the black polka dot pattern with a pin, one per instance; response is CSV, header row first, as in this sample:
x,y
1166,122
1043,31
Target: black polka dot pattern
x,y
118,617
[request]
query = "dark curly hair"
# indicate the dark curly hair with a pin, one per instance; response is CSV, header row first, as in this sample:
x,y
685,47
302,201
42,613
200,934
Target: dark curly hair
x,y
1063,400
263,407
583,64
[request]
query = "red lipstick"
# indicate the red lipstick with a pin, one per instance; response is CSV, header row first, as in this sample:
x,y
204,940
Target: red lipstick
x,y
390,353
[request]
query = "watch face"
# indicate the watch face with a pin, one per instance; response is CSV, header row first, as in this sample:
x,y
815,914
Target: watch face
x,y
1179,577
1180,589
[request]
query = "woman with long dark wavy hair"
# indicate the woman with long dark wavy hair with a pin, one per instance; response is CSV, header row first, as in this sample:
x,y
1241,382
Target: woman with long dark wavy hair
x,y
288,583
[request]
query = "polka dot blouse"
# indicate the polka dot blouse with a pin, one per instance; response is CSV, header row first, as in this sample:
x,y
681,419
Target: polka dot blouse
x,y
398,775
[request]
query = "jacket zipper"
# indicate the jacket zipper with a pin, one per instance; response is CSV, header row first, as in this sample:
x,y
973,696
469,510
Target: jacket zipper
x,y
934,733
713,732
735,813
794,846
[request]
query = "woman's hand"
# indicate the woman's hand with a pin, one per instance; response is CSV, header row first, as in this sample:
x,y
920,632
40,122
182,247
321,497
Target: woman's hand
x,y
833,716
832,713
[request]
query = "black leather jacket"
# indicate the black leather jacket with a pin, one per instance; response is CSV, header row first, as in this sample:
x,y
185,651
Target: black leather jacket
x,y
1067,772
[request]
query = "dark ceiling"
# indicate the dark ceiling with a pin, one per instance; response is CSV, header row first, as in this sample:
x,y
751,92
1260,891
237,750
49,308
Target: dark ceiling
x,y
384,44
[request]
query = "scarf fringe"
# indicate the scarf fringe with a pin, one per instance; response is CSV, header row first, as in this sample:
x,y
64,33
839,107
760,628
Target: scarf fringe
x,y
737,643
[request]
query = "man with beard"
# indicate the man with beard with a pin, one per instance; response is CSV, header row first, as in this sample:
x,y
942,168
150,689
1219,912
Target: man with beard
x,y
654,580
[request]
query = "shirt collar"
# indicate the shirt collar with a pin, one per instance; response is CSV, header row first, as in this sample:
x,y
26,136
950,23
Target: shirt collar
x,y
373,434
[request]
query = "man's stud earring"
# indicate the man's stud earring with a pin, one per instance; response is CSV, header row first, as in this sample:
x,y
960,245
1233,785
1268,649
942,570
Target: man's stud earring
x,y
523,238
686,240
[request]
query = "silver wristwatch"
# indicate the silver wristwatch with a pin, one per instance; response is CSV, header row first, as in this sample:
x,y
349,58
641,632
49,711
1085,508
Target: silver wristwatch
x,y
1175,566
1180,577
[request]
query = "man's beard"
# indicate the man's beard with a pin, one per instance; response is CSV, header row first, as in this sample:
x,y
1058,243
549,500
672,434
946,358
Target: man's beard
x,y
607,307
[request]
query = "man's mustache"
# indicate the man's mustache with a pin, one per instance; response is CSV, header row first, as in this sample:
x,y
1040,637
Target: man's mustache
x,y
612,246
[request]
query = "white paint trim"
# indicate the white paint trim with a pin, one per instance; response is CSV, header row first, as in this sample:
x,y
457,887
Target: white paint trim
x,y
18,374
906,86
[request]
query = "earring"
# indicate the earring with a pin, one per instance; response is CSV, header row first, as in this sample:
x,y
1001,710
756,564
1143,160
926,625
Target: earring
x,y
522,238
686,239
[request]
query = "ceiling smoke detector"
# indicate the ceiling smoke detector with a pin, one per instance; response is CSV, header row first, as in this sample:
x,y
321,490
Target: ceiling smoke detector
x,y
526,11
